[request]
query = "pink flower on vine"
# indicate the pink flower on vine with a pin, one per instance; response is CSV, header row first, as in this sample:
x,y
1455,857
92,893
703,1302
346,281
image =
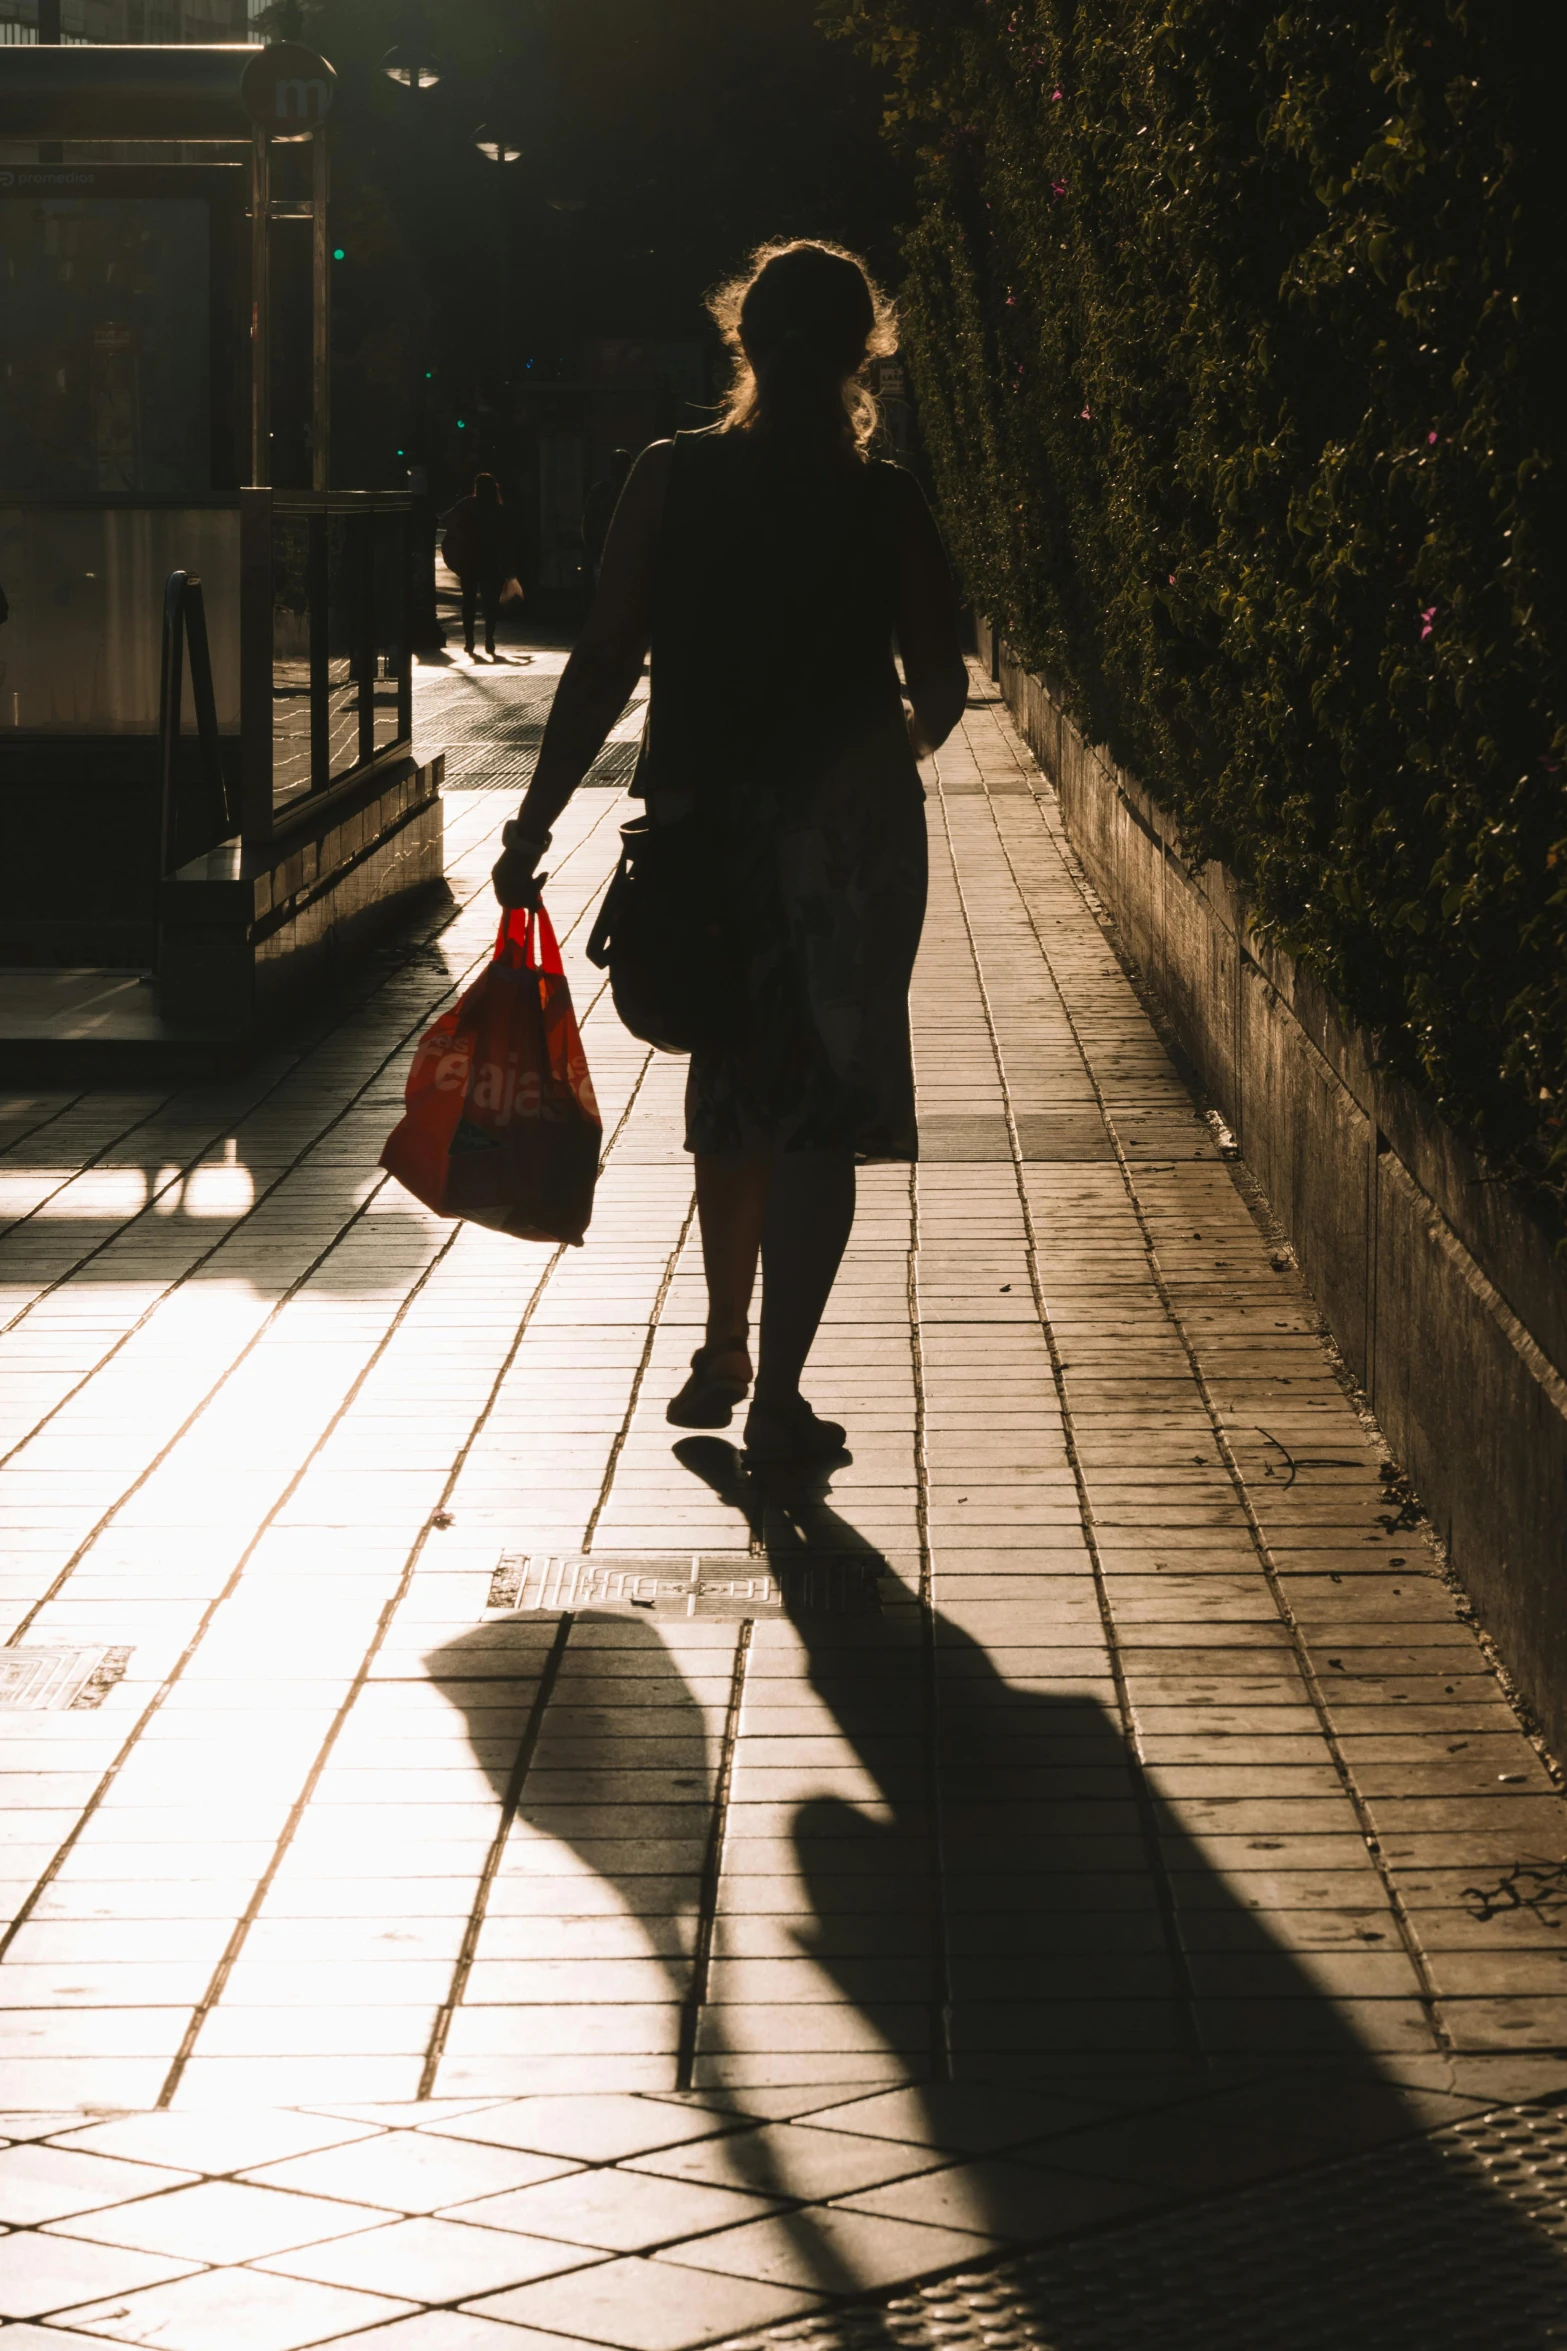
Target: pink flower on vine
x,y
1058,189
1428,621
1055,97
1432,439
1087,415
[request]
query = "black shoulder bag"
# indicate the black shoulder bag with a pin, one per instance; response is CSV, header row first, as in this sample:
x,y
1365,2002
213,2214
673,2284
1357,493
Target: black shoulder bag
x,y
662,936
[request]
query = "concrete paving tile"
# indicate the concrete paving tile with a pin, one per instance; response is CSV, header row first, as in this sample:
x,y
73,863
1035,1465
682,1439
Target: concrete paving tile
x,y
456,2330
214,2143
747,2070
793,2160
52,2183
410,2172
227,2082
431,2260
88,2083
1001,2199
967,2119
42,2274
620,2211
831,2248
218,2221
242,2309
1517,2022
630,2305
308,2031
587,2129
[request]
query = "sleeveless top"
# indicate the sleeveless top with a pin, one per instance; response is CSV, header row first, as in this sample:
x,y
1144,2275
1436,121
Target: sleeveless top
x,y
775,718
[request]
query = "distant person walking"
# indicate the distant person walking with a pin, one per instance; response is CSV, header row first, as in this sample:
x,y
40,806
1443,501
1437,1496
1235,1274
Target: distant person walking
x,y
478,547
769,561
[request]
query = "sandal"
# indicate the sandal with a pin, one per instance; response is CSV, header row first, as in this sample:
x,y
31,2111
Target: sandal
x,y
790,1432
709,1396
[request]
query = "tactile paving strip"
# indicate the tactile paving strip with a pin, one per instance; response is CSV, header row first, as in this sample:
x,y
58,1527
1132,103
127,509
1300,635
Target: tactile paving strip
x,y
684,1585
1452,2242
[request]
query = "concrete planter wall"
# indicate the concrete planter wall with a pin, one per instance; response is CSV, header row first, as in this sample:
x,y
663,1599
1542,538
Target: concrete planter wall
x,y
1441,1285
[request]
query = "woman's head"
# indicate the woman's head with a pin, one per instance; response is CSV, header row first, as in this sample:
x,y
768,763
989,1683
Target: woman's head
x,y
801,321
486,489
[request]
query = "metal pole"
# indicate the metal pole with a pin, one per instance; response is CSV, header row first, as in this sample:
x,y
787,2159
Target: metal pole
x,y
202,695
321,316
365,631
172,672
319,593
260,310
255,664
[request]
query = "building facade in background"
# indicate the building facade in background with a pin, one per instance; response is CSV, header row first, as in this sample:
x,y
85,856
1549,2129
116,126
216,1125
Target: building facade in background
x,y
134,20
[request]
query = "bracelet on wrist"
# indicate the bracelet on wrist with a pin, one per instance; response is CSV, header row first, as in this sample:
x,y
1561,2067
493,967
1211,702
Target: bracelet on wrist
x,y
513,837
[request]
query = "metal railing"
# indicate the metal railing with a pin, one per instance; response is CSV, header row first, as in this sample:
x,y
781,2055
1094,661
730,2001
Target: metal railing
x,y
185,629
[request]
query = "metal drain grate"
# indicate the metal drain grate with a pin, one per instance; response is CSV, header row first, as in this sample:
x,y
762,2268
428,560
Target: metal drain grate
x,y
1452,2242
685,1584
615,764
491,757
50,1681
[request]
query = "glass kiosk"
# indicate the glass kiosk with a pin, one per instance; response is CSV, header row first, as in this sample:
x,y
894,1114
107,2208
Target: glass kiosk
x,y
152,891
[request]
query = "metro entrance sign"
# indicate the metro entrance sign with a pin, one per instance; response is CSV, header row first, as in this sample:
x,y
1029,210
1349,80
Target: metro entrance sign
x,y
287,88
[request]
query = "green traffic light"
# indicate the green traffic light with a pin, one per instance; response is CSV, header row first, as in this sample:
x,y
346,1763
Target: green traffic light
x,y
338,254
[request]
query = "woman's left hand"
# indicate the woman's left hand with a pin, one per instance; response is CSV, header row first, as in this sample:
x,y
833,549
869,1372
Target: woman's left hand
x,y
514,874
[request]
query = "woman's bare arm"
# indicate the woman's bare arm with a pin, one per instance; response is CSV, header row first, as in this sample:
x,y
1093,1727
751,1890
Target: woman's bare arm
x,y
933,667
601,675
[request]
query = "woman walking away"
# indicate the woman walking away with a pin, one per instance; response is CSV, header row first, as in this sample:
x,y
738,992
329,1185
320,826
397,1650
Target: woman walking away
x,y
769,561
478,548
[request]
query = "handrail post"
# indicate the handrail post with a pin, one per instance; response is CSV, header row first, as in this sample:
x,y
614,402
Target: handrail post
x,y
169,688
255,665
365,631
204,695
318,577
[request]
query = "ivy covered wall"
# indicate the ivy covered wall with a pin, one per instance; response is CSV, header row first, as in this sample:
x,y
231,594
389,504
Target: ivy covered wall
x,y
1237,332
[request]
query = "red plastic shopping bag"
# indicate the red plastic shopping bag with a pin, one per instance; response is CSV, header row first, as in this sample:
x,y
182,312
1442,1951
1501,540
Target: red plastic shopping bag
x,y
501,1126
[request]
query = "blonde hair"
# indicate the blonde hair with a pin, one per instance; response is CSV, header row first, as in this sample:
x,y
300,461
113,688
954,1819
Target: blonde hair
x,y
802,322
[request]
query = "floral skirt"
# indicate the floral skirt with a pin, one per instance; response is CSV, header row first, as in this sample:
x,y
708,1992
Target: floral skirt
x,y
823,871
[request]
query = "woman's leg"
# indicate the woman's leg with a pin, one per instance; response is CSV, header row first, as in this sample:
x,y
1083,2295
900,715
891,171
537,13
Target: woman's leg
x,y
470,608
810,1213
731,1201
490,590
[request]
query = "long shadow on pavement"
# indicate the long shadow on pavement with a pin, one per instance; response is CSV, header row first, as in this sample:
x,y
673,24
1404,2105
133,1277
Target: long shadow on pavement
x,y
1012,1924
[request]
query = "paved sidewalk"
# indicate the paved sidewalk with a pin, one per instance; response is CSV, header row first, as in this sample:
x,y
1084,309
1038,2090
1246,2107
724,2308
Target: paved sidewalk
x,y
482,1855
